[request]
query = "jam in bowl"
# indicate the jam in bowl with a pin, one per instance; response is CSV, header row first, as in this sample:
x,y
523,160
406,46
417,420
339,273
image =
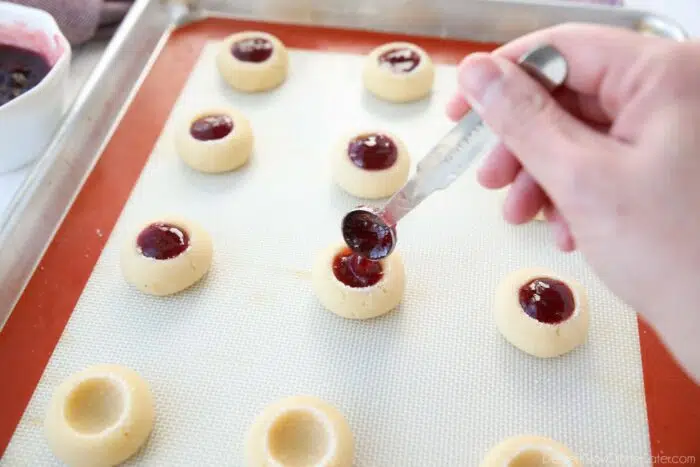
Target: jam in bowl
x,y
34,67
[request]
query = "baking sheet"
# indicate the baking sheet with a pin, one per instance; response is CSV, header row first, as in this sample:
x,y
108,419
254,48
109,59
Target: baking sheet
x,y
39,205
430,384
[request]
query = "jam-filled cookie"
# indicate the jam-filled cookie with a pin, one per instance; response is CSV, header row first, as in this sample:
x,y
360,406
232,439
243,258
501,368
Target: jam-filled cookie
x,y
542,313
371,164
399,72
252,61
215,140
355,287
166,256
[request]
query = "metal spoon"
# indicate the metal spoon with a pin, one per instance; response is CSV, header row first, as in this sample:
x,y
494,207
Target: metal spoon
x,y
371,232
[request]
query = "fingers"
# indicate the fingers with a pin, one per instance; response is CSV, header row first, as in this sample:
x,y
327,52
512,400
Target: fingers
x,y
583,106
598,57
560,229
525,199
551,144
457,107
499,169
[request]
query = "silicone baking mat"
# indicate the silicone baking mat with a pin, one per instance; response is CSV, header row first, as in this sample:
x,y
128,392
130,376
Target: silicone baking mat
x,y
432,383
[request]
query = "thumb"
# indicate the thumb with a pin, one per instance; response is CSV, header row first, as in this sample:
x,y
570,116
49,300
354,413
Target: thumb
x,y
550,143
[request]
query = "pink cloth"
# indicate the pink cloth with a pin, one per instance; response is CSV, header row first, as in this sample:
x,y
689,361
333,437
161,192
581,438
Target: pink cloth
x,y
82,20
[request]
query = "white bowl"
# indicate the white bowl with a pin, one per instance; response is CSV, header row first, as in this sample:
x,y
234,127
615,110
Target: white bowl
x,y
28,122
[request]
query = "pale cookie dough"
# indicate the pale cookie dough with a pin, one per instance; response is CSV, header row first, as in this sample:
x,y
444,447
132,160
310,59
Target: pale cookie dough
x,y
370,183
261,64
537,338
300,431
404,81
186,256
357,302
530,451
215,140
99,417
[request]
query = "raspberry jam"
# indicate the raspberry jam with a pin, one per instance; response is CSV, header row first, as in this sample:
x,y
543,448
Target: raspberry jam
x,y
162,241
547,300
211,127
253,49
368,237
373,152
20,71
402,60
355,271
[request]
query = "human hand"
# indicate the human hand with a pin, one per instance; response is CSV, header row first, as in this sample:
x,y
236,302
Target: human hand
x,y
613,159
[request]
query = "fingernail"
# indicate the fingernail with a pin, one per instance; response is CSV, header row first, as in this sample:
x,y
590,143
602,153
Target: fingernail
x,y
478,76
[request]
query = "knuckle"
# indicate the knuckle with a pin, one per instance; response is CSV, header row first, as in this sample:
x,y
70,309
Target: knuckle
x,y
668,68
681,63
520,105
578,175
589,179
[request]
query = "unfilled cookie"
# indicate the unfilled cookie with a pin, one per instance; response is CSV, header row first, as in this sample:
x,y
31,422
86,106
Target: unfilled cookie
x,y
252,61
166,256
399,72
300,431
530,451
357,288
542,313
99,417
215,140
371,164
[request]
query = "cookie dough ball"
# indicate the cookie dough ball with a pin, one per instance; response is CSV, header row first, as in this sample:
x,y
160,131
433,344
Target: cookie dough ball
x,y
300,431
99,416
355,287
215,140
371,164
541,313
399,72
252,61
166,256
530,451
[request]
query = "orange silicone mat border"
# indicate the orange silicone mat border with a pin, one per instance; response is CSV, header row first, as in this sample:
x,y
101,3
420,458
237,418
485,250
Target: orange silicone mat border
x,y
38,319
